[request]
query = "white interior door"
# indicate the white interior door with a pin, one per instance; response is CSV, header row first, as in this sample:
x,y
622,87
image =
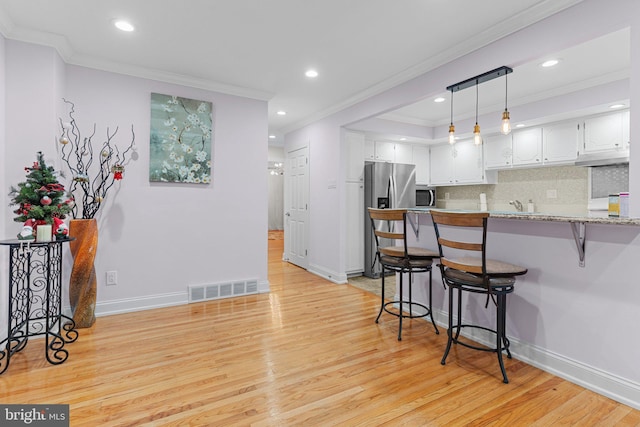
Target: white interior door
x,y
296,210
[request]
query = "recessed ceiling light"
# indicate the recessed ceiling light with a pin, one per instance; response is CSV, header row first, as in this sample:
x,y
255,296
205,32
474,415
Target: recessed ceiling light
x,y
281,113
403,139
272,137
311,73
520,125
123,25
550,63
614,106
439,99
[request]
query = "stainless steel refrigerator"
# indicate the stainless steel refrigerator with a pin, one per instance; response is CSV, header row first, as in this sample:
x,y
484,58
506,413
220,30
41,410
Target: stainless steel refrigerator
x,y
387,186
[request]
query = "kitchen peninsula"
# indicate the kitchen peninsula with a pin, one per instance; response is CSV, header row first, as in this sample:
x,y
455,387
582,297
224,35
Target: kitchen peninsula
x,y
566,318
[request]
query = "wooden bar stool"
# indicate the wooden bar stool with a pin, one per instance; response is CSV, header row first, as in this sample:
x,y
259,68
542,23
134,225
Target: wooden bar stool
x,y
389,229
465,267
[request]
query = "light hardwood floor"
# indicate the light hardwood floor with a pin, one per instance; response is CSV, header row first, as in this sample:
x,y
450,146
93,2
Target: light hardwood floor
x,y
307,354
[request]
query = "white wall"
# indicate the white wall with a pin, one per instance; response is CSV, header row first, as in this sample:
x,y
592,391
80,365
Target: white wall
x,y
4,200
160,238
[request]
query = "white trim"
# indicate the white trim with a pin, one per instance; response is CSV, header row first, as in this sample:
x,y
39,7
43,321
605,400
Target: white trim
x,y
332,276
594,379
128,305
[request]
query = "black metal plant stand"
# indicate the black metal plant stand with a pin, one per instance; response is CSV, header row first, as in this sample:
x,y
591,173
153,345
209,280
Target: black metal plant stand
x,y
35,301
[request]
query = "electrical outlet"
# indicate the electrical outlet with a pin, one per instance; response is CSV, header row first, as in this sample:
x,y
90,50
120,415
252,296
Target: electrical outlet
x,y
112,278
552,194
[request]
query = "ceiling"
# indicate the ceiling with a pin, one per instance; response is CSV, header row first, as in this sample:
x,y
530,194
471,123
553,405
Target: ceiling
x,y
601,60
261,48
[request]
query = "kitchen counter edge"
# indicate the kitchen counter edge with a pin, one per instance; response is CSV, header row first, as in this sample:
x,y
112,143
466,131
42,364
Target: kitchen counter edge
x,y
545,217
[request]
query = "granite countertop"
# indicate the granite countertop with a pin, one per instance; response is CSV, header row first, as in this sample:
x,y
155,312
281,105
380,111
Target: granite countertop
x,y
548,217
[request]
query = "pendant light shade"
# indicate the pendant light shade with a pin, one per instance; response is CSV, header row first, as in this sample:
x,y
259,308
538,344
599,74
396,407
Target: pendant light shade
x,y
477,139
505,127
452,128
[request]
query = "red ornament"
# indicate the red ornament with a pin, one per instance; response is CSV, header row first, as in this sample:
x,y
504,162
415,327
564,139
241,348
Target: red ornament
x,y
46,201
117,170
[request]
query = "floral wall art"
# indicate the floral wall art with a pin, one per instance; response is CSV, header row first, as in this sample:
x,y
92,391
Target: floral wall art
x,y
180,140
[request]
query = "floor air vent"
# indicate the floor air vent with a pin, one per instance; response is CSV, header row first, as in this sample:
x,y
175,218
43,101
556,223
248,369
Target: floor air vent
x,y
199,293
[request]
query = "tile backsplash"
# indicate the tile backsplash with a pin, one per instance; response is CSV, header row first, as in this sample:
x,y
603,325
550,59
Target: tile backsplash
x,y
568,183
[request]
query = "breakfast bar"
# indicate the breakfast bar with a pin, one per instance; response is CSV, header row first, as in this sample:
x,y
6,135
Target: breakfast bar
x,y
569,319
578,223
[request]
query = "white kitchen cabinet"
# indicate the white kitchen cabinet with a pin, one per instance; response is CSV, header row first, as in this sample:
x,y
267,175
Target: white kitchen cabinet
x,y
441,162
457,164
497,151
468,164
354,150
421,160
355,227
527,147
560,142
385,151
606,132
403,153
369,150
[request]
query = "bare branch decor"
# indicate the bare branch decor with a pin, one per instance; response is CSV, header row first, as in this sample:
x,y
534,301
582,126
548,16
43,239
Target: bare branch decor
x,y
78,154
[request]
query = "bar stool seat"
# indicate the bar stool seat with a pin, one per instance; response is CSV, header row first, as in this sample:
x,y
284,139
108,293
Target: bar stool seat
x,y
389,225
475,274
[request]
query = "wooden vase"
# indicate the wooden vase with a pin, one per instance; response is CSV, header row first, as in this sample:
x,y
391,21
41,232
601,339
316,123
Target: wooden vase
x,y
83,284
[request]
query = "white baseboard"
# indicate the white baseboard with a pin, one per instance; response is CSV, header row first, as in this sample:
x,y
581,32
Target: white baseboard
x,y
589,377
332,276
128,305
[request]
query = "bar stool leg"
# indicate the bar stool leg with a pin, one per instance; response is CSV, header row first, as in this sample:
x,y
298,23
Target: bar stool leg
x,y
505,340
431,304
400,308
500,334
450,330
381,298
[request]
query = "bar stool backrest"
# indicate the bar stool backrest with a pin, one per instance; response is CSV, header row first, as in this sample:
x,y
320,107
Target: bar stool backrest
x,y
389,224
464,255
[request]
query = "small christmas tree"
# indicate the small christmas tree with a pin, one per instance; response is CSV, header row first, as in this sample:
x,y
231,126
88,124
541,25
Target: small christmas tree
x,y
41,199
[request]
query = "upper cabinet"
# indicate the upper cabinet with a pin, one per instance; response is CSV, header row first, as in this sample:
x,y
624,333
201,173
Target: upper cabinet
x,y
497,151
385,151
404,153
457,164
421,160
369,150
606,132
560,142
527,147
441,162
553,144
354,149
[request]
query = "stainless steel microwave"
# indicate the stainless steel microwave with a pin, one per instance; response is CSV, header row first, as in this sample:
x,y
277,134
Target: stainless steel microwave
x,y
425,196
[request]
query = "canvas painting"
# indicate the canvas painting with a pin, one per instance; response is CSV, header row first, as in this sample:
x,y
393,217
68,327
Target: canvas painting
x,y
180,141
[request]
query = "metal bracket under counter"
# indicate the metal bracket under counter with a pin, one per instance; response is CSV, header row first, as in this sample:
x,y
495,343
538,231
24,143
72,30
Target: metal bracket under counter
x,y
414,220
580,236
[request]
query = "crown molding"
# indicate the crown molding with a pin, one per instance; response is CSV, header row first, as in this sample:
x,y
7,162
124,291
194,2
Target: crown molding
x,y
60,43
167,77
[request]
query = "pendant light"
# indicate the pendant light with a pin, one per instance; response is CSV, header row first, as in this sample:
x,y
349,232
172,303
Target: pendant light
x,y
477,139
505,128
452,128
